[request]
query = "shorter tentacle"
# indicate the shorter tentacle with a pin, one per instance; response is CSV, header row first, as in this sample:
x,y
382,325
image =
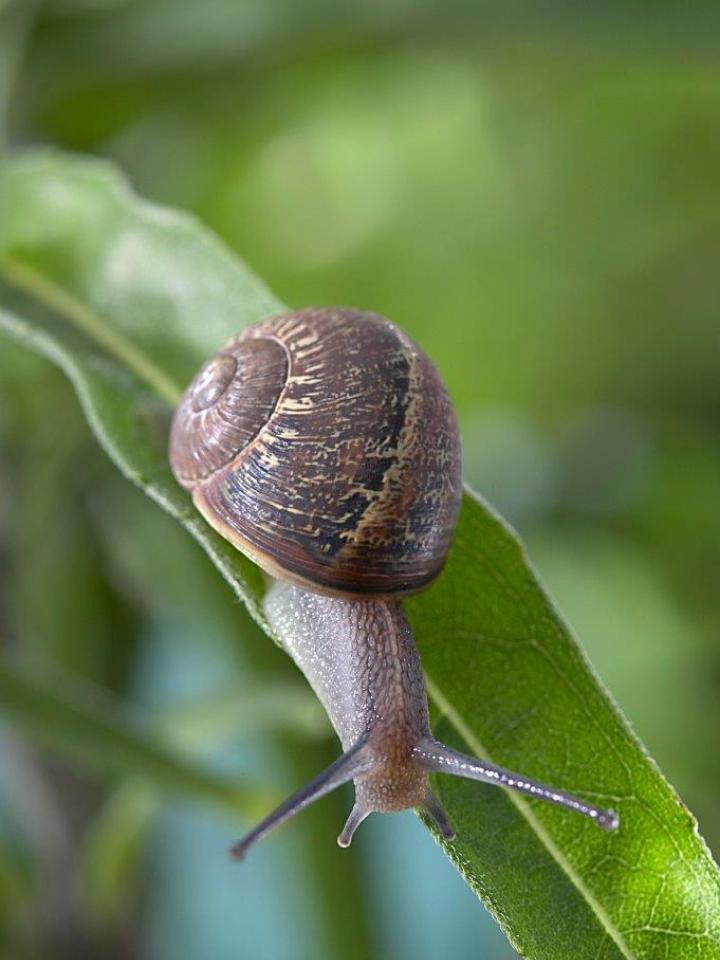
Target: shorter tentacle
x,y
356,761
437,814
357,815
435,756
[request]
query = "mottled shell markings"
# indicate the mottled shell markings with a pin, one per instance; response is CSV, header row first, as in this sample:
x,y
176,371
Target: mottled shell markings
x,y
345,474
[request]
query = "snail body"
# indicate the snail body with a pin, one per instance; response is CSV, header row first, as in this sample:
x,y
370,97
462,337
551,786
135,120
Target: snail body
x,y
323,444
361,660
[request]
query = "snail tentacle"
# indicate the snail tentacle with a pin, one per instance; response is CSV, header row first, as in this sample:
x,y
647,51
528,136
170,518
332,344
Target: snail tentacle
x,y
438,758
351,764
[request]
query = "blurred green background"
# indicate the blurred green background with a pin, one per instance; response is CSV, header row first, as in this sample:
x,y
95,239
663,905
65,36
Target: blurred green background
x,y
533,192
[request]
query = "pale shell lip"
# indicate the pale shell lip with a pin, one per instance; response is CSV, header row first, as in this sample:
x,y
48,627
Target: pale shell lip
x,y
272,568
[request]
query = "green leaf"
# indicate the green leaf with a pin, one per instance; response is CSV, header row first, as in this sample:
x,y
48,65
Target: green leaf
x,y
129,299
121,318
79,719
525,696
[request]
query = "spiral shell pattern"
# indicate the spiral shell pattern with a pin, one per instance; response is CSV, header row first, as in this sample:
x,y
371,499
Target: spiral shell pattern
x,y
323,444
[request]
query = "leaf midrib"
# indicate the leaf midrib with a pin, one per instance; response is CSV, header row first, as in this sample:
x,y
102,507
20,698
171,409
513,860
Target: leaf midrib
x,y
454,717
81,315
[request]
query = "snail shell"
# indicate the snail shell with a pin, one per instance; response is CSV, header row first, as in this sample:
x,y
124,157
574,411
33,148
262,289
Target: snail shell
x,y
323,444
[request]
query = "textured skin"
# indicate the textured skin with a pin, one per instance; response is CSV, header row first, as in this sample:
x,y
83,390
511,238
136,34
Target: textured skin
x,y
352,483
360,658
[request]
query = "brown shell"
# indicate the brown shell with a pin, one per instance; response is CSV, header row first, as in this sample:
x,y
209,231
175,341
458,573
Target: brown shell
x,y
323,444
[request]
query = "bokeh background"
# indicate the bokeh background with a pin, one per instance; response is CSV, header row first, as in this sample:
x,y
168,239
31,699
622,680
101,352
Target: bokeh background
x,y
533,192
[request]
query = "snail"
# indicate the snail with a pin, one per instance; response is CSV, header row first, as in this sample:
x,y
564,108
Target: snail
x,y
323,444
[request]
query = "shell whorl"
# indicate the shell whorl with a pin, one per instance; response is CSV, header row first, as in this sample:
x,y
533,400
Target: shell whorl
x,y
225,407
323,444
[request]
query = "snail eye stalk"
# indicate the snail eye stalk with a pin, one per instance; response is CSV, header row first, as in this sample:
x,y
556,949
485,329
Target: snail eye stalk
x,y
350,765
437,758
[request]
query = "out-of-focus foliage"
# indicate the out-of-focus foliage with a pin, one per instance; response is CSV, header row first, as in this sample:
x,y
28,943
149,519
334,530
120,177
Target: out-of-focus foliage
x,y
532,192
